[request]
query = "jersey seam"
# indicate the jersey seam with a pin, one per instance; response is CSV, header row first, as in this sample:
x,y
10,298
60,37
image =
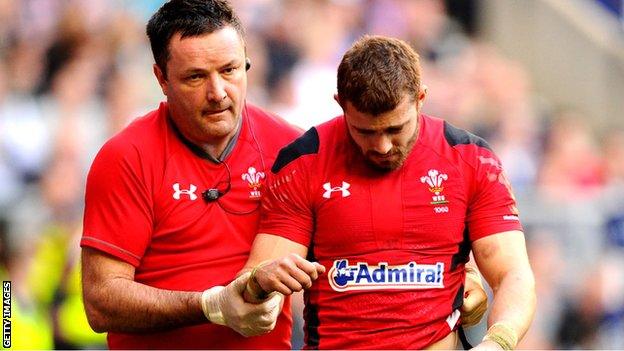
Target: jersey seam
x,y
106,243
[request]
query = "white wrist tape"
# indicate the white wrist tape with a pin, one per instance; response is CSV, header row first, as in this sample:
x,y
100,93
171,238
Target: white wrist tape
x,y
210,305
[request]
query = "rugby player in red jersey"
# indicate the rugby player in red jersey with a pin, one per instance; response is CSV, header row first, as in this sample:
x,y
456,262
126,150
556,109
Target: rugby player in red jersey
x,y
391,201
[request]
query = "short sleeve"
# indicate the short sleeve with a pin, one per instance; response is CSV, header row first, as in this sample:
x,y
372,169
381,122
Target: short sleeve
x,y
492,208
286,206
118,215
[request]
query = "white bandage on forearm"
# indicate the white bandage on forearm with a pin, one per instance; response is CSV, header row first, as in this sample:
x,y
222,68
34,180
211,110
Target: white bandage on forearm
x,y
210,305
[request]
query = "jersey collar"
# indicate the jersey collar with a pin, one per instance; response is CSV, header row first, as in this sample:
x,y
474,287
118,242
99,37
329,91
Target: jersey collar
x,y
198,151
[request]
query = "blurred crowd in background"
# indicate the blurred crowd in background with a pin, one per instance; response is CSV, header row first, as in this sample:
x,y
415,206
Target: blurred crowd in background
x,y
74,72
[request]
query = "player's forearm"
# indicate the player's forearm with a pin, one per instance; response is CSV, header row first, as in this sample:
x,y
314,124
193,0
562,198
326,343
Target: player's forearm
x,y
122,305
514,301
269,247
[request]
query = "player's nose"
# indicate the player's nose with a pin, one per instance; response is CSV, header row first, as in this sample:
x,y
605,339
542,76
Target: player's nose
x,y
381,144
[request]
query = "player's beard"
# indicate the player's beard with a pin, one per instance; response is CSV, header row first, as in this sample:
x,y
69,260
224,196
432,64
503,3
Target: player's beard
x,y
398,156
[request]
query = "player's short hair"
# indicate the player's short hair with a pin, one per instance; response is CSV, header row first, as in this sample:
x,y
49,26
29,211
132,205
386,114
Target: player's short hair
x,y
376,73
190,18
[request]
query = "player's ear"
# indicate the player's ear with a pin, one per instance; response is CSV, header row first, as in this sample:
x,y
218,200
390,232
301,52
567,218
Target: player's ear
x,y
422,94
337,98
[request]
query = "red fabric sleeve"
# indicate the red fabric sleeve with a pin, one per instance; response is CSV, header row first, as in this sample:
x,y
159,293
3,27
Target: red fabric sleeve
x,y
492,208
286,206
118,208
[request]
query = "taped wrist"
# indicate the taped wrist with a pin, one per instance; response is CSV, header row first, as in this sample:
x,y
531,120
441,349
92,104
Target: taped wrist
x,y
502,334
210,305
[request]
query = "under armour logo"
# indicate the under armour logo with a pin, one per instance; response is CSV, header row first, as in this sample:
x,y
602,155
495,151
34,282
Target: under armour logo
x,y
344,189
190,192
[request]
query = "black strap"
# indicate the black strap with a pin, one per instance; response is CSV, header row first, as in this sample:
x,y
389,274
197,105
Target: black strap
x,y
462,337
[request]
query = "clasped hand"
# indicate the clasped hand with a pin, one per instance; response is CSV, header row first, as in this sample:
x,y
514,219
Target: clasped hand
x,y
287,275
226,306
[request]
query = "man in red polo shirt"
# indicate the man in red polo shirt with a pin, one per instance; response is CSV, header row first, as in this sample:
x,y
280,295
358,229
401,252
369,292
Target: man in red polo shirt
x,y
172,201
391,201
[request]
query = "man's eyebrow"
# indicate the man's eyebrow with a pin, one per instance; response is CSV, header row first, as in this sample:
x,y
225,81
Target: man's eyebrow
x,y
194,70
399,126
368,130
230,63
202,70
364,129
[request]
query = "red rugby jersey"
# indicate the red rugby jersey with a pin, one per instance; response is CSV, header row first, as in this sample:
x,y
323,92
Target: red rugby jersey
x,y
144,206
394,243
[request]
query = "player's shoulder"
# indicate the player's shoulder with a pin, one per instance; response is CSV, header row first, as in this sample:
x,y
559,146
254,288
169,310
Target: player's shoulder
x,y
455,136
453,142
306,144
439,129
312,143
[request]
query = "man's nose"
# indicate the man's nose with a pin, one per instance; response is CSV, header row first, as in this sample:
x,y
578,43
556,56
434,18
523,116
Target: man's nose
x,y
381,144
215,92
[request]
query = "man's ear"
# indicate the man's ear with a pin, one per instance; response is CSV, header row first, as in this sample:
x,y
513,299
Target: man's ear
x,y
162,79
422,94
338,100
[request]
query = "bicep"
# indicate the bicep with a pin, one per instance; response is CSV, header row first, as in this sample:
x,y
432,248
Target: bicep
x,y
98,268
99,272
497,254
287,208
270,247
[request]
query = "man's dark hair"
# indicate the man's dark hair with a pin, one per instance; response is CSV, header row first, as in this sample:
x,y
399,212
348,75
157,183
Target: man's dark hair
x,y
376,72
190,18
